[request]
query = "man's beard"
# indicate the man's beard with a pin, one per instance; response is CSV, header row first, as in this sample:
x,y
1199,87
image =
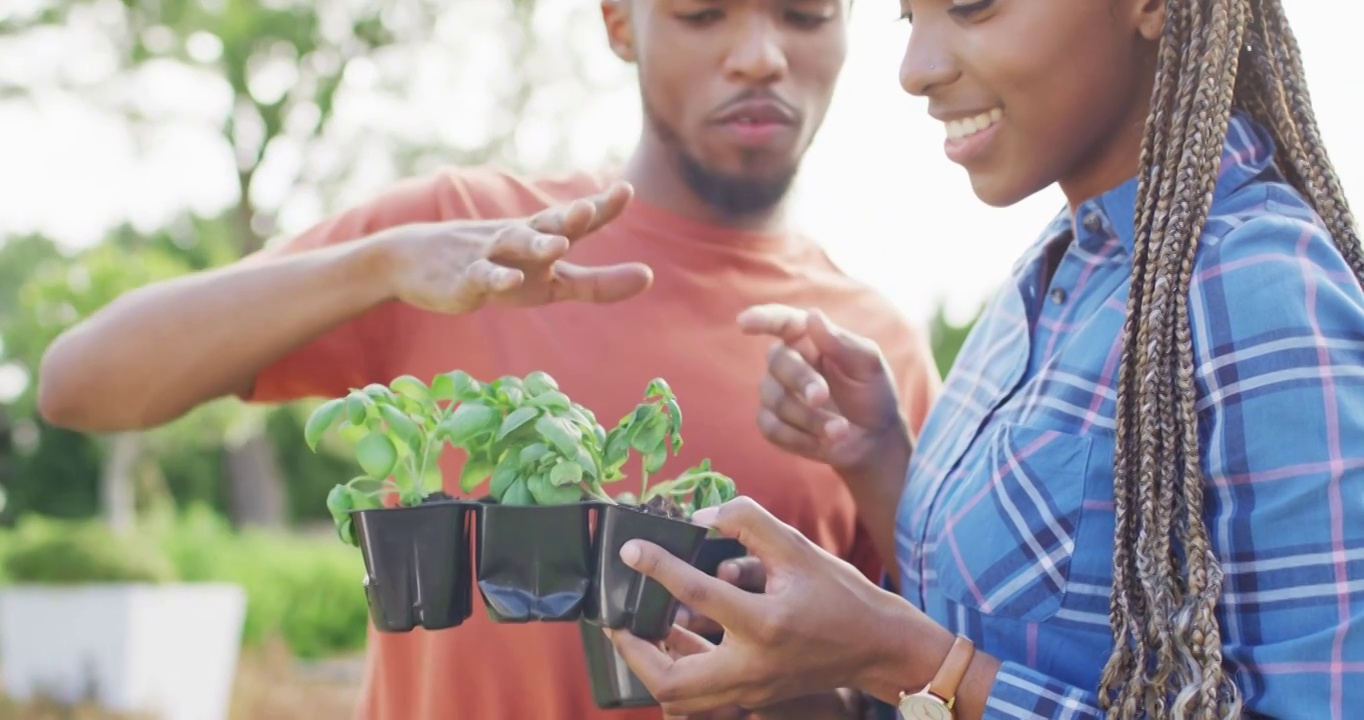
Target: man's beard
x,y
732,196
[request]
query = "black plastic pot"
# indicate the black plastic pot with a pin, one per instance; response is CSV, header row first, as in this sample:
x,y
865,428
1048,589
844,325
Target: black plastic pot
x,y
416,565
534,562
622,597
713,552
614,684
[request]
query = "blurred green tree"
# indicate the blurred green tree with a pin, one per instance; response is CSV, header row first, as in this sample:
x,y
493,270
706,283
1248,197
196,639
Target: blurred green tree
x,y
310,102
946,338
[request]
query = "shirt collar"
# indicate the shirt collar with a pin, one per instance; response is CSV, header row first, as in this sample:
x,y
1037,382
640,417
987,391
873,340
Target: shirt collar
x,y
1247,153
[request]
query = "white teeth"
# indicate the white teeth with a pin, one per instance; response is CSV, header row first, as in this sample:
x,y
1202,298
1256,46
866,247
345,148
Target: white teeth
x,y
958,129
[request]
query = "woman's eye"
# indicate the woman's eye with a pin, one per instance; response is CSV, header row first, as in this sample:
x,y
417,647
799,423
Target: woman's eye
x,y
705,17
967,9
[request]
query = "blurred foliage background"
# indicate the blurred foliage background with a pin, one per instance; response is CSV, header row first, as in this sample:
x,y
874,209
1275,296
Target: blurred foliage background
x,y
307,103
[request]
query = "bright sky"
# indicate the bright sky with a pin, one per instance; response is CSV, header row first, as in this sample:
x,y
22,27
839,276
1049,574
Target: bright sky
x,y
875,185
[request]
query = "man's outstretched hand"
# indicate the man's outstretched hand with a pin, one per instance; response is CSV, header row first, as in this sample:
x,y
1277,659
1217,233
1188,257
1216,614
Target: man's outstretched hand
x,y
459,265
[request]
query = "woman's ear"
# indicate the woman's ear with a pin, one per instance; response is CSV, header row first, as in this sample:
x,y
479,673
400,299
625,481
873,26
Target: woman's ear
x,y
1149,17
620,32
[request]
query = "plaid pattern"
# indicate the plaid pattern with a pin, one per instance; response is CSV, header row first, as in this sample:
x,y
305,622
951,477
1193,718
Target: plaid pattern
x,y
1006,524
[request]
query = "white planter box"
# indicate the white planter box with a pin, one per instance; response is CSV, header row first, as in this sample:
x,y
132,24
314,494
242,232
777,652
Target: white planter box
x,y
168,650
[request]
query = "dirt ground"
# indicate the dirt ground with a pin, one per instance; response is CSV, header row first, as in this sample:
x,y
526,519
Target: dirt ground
x,y
270,685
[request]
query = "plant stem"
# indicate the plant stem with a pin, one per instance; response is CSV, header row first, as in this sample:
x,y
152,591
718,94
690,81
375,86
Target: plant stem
x,y
599,494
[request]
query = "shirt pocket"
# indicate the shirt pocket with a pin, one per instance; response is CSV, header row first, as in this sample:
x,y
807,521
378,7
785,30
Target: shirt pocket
x,y
1009,536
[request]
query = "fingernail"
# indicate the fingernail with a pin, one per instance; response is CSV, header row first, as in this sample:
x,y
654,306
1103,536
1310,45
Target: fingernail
x,y
811,391
835,427
629,553
728,571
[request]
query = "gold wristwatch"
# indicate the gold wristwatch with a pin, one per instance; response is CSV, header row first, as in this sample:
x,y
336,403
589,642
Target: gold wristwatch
x,y
936,702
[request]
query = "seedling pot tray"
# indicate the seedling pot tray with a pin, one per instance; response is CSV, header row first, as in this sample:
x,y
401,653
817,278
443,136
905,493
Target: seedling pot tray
x,y
416,565
614,684
534,562
622,597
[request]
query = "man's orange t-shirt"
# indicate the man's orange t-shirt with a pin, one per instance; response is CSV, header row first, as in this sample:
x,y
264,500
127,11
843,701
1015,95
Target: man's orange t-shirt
x,y
682,329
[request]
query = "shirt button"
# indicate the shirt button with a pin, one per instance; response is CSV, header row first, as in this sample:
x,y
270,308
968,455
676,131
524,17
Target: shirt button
x,y
1093,222
1058,296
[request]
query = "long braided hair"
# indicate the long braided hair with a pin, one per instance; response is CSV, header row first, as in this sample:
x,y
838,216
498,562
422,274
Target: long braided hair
x,y
1214,55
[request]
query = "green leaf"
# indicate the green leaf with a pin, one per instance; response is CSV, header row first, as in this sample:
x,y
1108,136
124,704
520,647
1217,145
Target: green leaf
x,y
556,400
567,472
321,419
649,436
457,385
532,454
539,383
469,420
340,502
705,497
658,387
513,396
476,469
357,407
410,387
352,434
675,412
547,493
653,462
516,419
562,435
402,426
345,529
503,475
442,388
378,392
518,494
617,448
376,455
588,464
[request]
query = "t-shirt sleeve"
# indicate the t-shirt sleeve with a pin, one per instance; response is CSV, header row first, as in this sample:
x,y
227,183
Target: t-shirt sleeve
x,y
354,353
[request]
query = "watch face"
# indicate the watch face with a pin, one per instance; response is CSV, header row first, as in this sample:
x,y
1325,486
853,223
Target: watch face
x,y
924,707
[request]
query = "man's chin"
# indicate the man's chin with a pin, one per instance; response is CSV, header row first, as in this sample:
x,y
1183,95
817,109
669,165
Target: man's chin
x,y
737,194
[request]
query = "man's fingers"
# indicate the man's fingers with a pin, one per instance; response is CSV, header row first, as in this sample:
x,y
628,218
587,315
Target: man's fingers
x,y
607,206
584,215
481,279
700,592
786,436
519,244
782,321
797,375
600,284
746,573
857,356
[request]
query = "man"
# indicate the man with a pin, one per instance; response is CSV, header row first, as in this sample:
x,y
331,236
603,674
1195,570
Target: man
x,y
469,269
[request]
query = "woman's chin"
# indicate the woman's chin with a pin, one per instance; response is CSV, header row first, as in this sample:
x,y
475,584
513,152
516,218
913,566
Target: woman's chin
x,y
1000,192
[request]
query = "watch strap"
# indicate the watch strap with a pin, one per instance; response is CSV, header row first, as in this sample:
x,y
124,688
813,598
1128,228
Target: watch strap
x,y
953,669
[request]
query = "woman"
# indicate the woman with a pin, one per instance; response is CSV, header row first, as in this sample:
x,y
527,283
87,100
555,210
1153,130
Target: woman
x,y
1142,493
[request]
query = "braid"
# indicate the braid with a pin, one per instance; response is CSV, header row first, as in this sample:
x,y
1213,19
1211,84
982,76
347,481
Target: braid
x,y
1214,55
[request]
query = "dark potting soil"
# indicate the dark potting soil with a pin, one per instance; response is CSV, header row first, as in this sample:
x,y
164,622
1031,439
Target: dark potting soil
x,y
663,507
437,496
